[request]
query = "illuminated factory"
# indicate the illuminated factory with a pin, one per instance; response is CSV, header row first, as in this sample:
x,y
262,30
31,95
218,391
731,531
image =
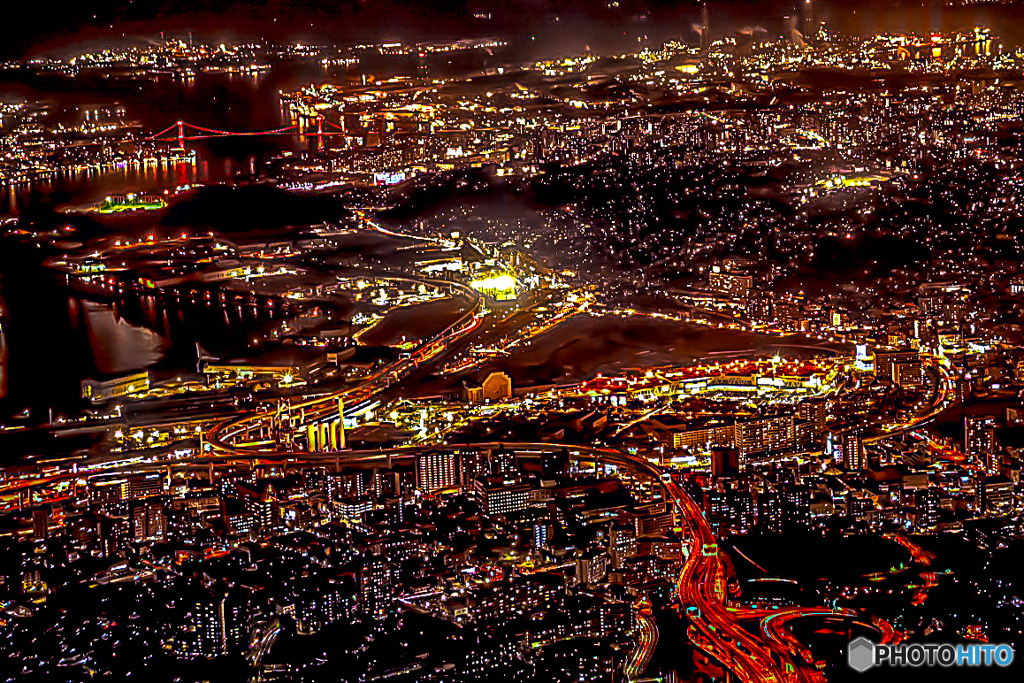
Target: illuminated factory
x,y
497,285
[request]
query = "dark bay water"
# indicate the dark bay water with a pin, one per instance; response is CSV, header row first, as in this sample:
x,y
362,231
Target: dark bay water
x,y
244,103
54,338
223,101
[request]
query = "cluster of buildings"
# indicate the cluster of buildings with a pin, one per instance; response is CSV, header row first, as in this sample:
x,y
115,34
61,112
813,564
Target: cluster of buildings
x,y
35,144
745,184
534,562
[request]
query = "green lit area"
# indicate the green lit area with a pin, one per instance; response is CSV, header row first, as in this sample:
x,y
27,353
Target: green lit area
x,y
130,202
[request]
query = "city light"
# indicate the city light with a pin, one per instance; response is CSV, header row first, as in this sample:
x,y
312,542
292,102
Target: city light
x,y
691,351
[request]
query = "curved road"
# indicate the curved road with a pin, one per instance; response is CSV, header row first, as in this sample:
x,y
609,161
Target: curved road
x,y
716,628
701,584
769,655
646,641
766,656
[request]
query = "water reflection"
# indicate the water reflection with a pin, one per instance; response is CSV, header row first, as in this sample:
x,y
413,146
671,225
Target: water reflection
x,y
3,347
86,185
222,101
117,346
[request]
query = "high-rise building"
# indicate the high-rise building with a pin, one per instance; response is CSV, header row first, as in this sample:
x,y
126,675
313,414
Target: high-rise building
x,y
105,490
348,485
500,496
933,305
394,508
41,523
996,495
859,507
815,411
928,505
145,485
543,530
113,535
1011,469
963,387
741,509
436,470
980,440
885,359
84,529
908,374
473,464
219,624
350,510
314,480
854,454
716,509
760,307
771,434
796,504
652,520
148,520
591,567
621,543
732,283
317,603
804,434
769,511
502,463
894,492
208,621
376,588
263,509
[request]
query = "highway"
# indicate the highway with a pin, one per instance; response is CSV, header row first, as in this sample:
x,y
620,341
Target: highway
x,y
771,655
701,590
717,629
776,625
768,655
322,408
701,584
646,641
942,401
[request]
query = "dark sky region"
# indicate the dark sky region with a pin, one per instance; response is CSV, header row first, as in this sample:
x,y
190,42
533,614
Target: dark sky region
x,y
31,29
337,20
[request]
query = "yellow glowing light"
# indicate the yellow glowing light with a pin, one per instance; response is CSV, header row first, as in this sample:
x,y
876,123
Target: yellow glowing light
x,y
499,286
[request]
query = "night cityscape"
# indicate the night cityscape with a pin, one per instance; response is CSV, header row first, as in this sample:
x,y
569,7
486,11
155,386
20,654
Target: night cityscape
x,y
525,340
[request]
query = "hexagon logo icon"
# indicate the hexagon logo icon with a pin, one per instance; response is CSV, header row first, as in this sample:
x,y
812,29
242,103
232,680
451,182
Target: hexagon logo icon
x,y
860,654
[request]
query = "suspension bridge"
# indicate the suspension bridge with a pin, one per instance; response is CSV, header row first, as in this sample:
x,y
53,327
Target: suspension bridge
x,y
182,131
